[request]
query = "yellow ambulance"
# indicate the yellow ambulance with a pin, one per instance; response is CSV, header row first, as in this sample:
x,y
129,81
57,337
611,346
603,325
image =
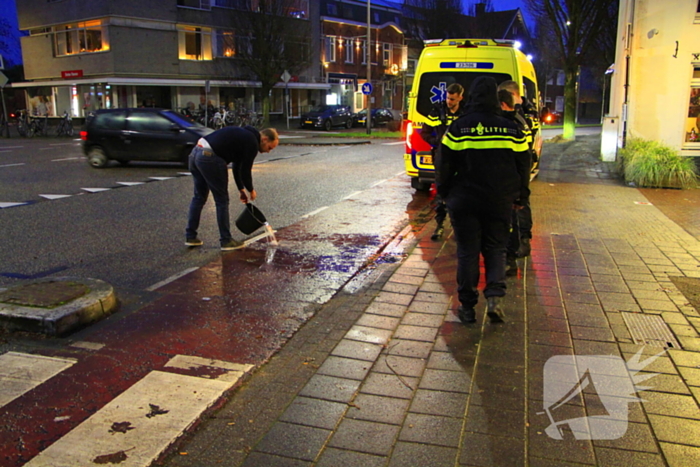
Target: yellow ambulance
x,y
448,61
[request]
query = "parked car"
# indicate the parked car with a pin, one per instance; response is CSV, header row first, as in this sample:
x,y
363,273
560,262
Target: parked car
x,y
142,134
380,116
327,116
550,117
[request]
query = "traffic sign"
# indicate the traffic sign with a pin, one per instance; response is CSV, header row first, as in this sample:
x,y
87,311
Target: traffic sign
x,y
3,79
286,76
367,89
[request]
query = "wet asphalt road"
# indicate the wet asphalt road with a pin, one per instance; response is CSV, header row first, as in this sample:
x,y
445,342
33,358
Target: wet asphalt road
x,y
131,236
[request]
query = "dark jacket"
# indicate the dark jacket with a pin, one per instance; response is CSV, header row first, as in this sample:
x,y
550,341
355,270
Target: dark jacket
x,y
439,119
479,160
238,146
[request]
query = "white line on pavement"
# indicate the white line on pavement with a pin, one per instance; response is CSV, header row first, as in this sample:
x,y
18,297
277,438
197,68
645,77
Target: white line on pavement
x,y
12,147
66,159
62,144
95,190
170,279
52,197
11,205
138,425
130,183
343,147
12,165
352,194
393,144
20,372
314,212
378,183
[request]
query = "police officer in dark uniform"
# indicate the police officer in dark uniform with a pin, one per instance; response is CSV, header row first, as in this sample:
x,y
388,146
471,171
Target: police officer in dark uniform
x,y
482,174
440,118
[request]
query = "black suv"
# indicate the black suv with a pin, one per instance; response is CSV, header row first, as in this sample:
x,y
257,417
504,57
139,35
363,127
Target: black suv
x,y
142,134
327,116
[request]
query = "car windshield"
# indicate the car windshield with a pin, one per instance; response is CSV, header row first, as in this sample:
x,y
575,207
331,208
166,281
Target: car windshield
x,y
433,85
182,120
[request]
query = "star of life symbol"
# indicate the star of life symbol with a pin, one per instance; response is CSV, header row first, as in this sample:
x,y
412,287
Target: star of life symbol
x,y
607,377
439,93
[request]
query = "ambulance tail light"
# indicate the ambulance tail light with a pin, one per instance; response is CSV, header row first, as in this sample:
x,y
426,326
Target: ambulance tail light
x,y
414,141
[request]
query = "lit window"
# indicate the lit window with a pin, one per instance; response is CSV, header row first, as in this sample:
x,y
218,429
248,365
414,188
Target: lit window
x,y
194,43
692,121
349,51
387,54
330,49
77,38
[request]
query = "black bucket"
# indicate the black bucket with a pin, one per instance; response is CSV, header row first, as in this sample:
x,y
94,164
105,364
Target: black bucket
x,y
250,220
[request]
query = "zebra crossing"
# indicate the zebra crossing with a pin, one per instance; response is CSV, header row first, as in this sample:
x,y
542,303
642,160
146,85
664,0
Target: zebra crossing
x,y
90,190
136,426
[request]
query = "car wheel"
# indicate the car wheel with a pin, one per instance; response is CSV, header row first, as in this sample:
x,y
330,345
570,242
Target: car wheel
x,y
328,125
417,185
97,158
348,124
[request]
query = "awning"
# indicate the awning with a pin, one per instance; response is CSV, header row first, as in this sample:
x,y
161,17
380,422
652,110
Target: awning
x,y
114,81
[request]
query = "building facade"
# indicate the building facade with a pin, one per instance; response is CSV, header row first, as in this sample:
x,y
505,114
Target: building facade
x,y
655,86
344,52
82,55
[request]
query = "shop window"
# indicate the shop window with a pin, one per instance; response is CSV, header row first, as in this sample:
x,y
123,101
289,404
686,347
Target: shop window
x,y
194,43
77,38
329,53
692,123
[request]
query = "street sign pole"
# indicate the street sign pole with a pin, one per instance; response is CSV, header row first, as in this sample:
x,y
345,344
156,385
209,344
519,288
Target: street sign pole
x,y
3,82
369,70
286,77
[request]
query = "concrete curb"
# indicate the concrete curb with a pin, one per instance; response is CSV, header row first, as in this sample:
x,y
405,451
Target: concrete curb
x,y
328,141
99,302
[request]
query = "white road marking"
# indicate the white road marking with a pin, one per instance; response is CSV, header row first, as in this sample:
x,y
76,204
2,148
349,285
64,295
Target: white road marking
x,y
314,212
158,409
20,372
66,159
233,373
343,147
63,144
13,147
378,183
352,195
130,183
184,173
95,190
52,197
12,165
399,173
393,144
161,178
87,345
11,205
160,284
288,137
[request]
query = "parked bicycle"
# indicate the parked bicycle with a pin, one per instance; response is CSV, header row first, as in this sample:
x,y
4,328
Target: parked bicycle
x,y
23,124
38,126
65,126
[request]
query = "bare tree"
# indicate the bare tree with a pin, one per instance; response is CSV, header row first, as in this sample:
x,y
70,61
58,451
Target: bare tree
x,y
270,38
574,27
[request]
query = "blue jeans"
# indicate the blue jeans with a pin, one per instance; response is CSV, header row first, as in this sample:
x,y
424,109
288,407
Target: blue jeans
x,y
209,173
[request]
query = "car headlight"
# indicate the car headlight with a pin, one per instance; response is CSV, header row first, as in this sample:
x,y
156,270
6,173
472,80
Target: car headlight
x,y
319,119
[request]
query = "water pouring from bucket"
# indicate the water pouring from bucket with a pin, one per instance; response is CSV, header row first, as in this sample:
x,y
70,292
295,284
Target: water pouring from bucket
x,y
252,219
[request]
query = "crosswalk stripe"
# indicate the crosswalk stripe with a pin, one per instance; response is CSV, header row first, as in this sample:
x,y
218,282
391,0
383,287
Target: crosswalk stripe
x,y
20,373
138,425
11,205
161,178
95,190
55,196
130,183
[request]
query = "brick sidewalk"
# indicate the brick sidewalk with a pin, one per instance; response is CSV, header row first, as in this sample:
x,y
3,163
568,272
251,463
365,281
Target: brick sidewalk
x,y
387,376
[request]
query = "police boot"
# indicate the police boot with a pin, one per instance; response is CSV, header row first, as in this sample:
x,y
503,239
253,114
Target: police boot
x,y
437,235
494,309
466,315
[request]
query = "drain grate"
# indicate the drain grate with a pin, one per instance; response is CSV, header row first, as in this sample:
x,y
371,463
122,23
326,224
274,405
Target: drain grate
x,y
650,330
